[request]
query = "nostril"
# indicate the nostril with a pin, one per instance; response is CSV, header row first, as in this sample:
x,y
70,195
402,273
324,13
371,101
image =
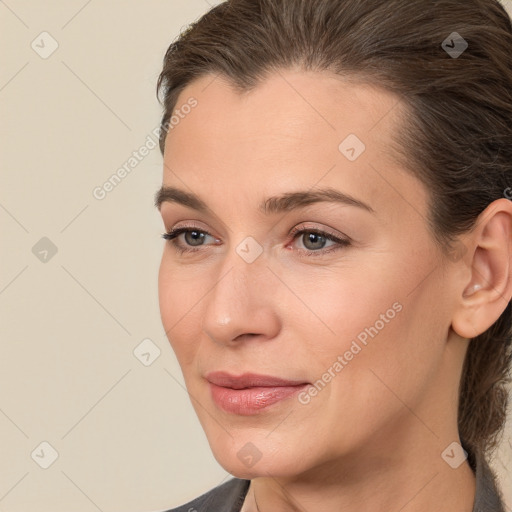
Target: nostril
x,y
242,336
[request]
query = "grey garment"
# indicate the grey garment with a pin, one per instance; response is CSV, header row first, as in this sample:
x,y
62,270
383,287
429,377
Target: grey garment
x,y
487,495
230,496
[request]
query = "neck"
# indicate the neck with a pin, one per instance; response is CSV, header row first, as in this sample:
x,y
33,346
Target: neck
x,y
399,468
412,479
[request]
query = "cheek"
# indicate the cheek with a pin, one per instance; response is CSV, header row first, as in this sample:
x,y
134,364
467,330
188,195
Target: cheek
x,y
347,305
391,344
177,299
372,320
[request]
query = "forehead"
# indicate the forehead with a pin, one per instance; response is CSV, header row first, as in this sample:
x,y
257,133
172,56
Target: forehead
x,y
293,130
290,101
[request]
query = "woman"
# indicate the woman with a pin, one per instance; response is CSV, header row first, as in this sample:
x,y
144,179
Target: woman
x,y
337,277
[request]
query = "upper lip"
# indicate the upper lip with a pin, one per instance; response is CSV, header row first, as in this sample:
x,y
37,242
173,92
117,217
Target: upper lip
x,y
249,380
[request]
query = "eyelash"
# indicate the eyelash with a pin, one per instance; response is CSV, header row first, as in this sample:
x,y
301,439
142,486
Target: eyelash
x,y
341,243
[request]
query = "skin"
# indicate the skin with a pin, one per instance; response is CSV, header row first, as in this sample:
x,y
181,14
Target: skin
x,y
372,438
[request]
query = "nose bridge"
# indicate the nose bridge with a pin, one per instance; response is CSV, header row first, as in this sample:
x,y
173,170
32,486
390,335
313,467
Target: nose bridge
x,y
238,302
244,268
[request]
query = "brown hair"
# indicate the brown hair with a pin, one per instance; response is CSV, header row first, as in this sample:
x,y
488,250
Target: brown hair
x,y
456,135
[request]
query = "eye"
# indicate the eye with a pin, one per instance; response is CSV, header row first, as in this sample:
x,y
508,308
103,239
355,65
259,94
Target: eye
x,y
313,240
193,235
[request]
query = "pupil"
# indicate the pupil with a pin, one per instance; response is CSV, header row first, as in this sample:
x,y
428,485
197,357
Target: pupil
x,y
312,236
196,236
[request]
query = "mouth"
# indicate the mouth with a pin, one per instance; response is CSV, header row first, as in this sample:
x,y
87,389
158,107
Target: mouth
x,y
250,393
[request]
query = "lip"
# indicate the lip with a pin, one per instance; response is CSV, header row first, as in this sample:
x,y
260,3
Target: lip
x,y
249,380
250,393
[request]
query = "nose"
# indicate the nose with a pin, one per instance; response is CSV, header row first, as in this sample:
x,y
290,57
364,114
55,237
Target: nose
x,y
241,304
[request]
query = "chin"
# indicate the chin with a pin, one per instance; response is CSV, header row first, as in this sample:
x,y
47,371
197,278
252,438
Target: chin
x,y
247,459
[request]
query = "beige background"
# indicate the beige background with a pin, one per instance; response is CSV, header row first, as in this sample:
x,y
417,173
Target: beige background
x,y
125,433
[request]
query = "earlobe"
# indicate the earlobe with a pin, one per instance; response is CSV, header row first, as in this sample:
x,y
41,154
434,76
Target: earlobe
x,y
484,298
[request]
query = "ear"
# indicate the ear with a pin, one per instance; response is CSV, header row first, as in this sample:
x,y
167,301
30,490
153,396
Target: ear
x,y
484,297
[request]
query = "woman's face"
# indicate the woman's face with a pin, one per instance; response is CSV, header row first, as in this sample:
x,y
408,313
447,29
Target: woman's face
x,y
356,330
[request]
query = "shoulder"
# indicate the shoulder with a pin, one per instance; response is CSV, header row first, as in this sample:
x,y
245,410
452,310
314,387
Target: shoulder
x,y
488,497
227,497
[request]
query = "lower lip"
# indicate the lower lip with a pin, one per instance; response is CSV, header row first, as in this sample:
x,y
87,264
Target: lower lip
x,y
251,400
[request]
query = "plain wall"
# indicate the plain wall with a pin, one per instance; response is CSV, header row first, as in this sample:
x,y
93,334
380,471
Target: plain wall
x,y
126,435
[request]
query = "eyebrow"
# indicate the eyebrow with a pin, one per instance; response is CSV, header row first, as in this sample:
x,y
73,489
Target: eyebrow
x,y
271,205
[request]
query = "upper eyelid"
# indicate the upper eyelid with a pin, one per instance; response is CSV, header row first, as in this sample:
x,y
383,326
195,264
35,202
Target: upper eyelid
x,y
299,226
191,228
297,230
